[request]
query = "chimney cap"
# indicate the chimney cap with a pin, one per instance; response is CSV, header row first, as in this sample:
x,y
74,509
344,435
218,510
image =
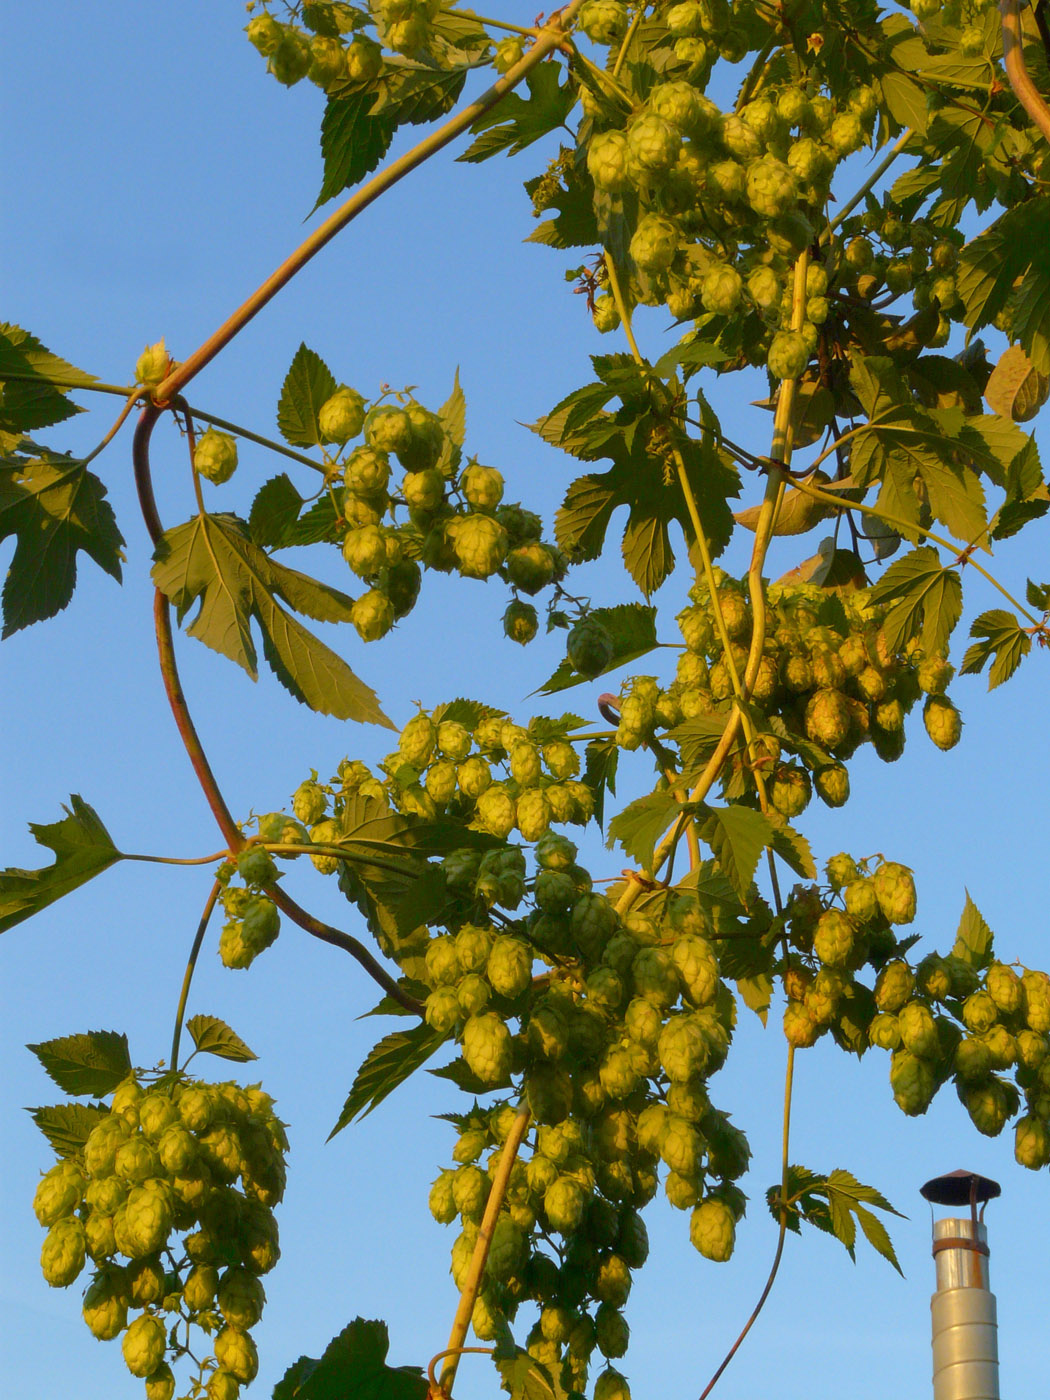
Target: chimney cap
x,y
955,1188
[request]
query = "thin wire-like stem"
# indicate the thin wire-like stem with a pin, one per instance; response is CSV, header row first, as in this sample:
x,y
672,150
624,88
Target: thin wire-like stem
x,y
622,308
459,1351
133,397
250,436
872,180
782,1234
191,963
548,38
472,1282
639,14
490,23
180,860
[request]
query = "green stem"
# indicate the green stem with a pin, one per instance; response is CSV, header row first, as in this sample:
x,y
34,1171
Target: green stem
x,y
247,434
872,180
123,390
191,963
909,527
622,308
490,23
780,1238
550,37
132,399
625,46
175,860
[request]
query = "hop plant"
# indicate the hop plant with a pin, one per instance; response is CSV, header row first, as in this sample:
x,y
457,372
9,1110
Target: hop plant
x,y
712,1230
215,456
487,1048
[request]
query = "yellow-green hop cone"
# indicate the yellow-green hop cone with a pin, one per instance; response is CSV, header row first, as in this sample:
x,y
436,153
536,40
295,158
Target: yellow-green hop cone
x,y
146,1281
104,1140
222,1386
482,486
64,1252
893,986
509,968
884,1031
943,721
441,1200
215,456
712,1230
161,1384
199,1289
1032,1143
1005,988
143,1345
918,1030
610,1385
895,891
834,938
372,615
389,429
342,416
105,1311
240,1299
862,901
589,648
496,810
152,365
480,545
58,1193
235,1352
264,34
487,1048
564,1202
1037,1000
988,1107
831,785
533,814
788,355
913,1082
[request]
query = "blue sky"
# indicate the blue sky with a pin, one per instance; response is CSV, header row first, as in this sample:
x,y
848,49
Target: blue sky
x,y
160,176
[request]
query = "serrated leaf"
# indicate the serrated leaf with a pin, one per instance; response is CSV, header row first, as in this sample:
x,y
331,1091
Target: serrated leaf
x,y
413,95
925,600
639,826
1003,638
1027,497
214,1037
307,385
352,142
387,1065
212,560
991,263
697,740
458,1072
453,416
878,1237
92,1063
601,760
524,1378
55,508
973,939
67,1126
757,992
632,628
737,836
274,512
793,848
516,121
34,399
82,848
353,1367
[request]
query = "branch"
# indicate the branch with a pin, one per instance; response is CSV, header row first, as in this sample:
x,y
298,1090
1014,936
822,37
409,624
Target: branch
x,y
550,37
1013,58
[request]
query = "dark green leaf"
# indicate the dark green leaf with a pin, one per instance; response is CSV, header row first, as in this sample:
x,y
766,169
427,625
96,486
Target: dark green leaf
x,y
458,1072
632,628
925,599
353,1367
878,1237
973,939
516,122
1026,495
33,399
600,763
991,263
690,355
308,383
1003,638
793,848
453,415
524,1378
92,1063
412,96
641,824
214,1037
737,836
697,740
67,1126
352,142
1031,320
386,1066
274,511
55,508
212,559
82,848
574,225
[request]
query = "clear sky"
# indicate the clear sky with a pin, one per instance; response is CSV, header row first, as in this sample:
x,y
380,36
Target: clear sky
x,y
154,177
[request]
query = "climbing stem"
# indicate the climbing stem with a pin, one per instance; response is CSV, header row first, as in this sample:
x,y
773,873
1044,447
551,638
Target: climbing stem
x,y
472,1282
1013,60
622,308
191,963
872,180
781,1235
548,38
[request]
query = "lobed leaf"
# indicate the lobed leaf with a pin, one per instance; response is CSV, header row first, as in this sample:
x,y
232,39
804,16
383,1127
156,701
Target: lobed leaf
x,y
93,1063
82,848
387,1065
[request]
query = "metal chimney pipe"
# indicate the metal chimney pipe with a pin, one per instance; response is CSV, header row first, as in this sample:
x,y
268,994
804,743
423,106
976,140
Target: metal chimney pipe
x,y
965,1339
